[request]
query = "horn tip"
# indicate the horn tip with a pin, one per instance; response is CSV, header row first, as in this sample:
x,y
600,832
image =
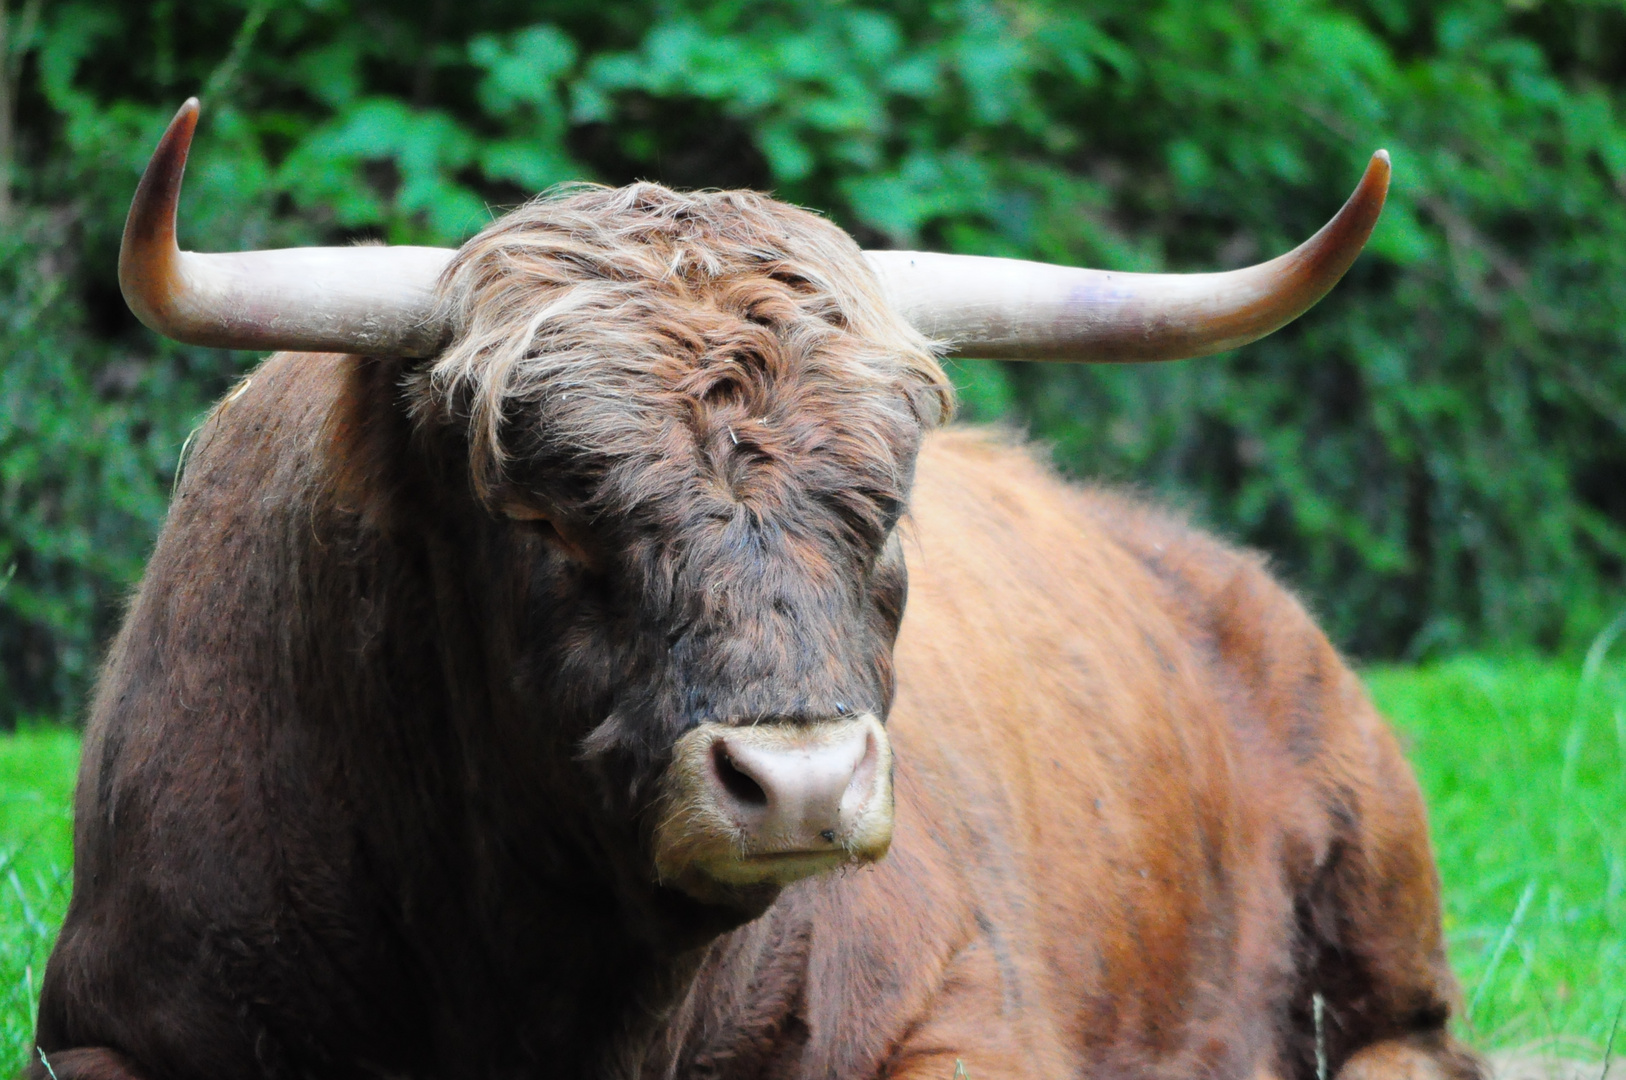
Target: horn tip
x,y
1380,168
148,255
185,121
1375,181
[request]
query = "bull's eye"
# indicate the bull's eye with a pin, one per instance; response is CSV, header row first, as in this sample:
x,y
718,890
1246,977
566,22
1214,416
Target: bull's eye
x,y
525,513
541,525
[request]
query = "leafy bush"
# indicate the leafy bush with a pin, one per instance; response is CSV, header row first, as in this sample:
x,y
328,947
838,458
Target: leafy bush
x,y
1435,456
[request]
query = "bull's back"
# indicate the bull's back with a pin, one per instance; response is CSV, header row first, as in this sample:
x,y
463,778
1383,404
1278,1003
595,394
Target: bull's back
x,y
1124,756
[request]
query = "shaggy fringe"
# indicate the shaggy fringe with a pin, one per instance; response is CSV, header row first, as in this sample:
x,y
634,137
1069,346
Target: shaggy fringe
x,y
588,286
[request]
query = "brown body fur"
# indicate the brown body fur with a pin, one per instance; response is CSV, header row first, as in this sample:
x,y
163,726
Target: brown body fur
x,y
366,789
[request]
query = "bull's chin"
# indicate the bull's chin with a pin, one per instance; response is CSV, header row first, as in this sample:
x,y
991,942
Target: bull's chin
x,y
780,867
753,881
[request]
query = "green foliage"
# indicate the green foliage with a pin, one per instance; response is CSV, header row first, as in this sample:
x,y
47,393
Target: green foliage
x,y
1435,455
86,440
1523,764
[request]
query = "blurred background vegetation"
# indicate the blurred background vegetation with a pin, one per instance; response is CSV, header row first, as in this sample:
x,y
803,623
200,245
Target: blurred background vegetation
x,y
1435,457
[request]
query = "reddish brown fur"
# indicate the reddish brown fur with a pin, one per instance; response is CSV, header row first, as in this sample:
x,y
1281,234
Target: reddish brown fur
x,y
1145,812
367,785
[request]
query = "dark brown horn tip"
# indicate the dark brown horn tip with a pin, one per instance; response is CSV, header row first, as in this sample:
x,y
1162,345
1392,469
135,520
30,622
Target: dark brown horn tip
x,y
1314,267
1378,172
1379,169
160,186
148,253
1364,206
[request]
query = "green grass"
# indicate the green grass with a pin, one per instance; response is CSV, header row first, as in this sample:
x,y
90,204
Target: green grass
x,y
36,834
1523,763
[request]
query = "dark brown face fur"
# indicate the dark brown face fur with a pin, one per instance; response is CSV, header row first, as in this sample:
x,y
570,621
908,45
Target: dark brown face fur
x,y
698,447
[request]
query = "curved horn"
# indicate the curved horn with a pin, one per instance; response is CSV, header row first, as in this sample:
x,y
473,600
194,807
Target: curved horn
x,y
374,300
380,300
1014,310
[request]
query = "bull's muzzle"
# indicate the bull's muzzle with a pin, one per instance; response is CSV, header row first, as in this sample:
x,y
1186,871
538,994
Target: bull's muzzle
x,y
771,803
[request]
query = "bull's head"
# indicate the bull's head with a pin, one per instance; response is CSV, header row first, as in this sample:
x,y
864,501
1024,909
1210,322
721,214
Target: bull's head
x,y
694,420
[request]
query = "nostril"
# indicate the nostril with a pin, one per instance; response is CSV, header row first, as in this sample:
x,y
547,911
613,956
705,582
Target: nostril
x,y
744,789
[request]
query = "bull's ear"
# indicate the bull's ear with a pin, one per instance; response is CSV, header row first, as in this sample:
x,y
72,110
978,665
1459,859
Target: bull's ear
x,y
376,472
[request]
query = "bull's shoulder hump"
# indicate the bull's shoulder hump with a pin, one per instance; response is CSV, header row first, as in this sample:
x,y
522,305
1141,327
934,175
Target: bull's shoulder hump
x,y
985,494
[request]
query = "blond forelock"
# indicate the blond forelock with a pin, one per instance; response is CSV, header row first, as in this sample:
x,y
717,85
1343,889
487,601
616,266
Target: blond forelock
x,y
588,289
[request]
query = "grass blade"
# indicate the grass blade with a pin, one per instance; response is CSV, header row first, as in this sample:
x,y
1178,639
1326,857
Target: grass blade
x,y
1502,944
